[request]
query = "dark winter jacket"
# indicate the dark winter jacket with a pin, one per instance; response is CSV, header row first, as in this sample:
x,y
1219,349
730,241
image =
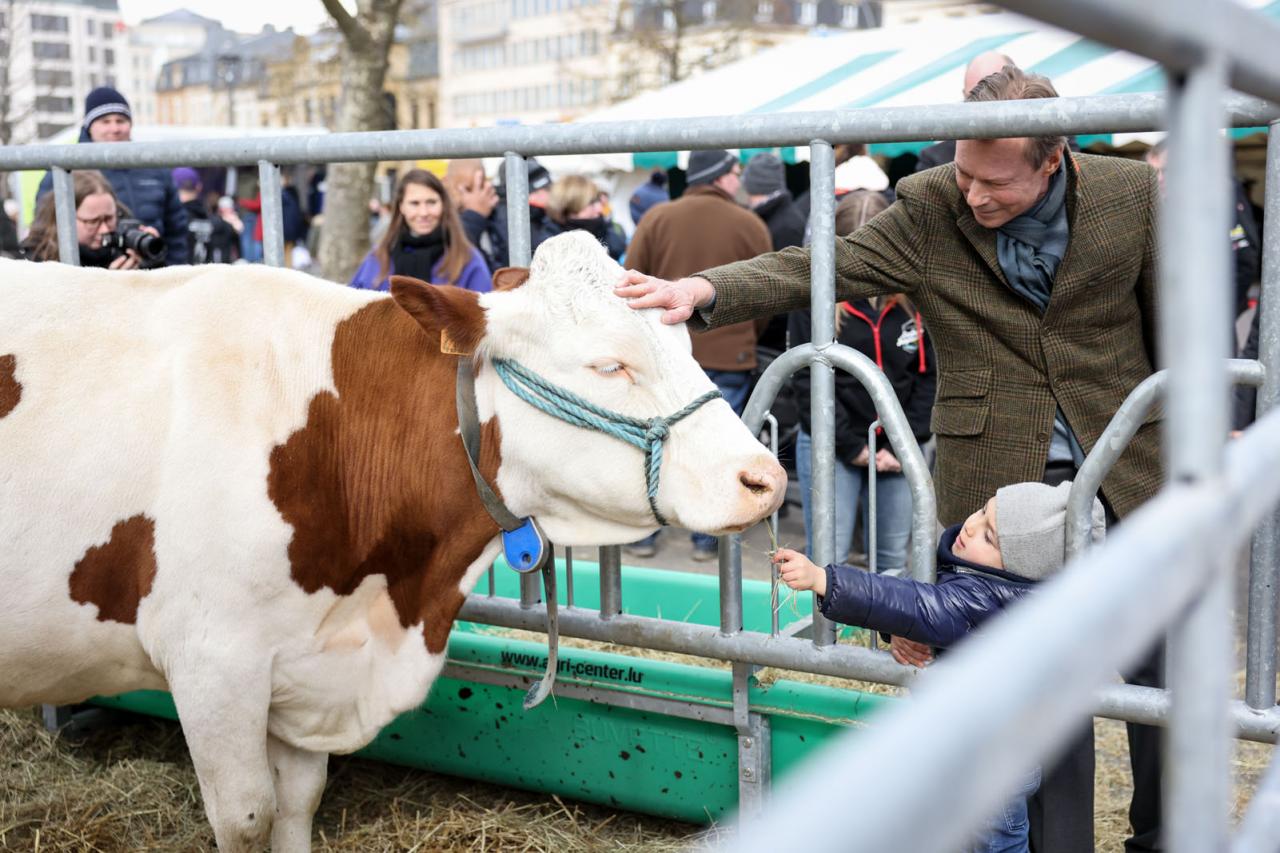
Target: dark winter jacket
x,y
540,228
212,240
603,229
483,233
153,199
1245,404
895,340
786,222
938,614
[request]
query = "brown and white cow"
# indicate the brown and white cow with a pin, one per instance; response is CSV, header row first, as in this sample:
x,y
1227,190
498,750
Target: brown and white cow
x,y
246,486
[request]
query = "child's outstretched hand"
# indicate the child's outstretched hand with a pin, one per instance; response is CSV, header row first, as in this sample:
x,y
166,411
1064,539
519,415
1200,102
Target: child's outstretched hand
x,y
798,572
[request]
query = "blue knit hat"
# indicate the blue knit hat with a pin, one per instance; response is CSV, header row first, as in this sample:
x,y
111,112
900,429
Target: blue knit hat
x,y
104,101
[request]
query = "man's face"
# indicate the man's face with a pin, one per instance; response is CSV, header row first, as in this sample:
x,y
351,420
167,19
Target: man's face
x,y
1155,159
111,128
730,181
996,179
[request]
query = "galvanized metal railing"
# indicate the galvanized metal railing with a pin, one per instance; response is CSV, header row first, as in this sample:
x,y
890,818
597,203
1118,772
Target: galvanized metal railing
x,y
962,747
1085,636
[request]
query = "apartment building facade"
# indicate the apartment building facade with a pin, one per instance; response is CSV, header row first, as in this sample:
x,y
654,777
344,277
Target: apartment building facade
x,y
55,52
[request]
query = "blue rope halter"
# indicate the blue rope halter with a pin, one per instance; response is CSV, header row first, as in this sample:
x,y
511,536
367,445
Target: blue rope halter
x,y
647,435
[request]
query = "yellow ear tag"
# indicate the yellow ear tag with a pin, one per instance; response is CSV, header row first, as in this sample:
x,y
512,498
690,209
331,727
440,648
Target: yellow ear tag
x,y
449,346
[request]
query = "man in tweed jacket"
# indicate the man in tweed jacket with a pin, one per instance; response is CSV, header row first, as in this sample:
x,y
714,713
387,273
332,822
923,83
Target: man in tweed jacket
x,y
1012,371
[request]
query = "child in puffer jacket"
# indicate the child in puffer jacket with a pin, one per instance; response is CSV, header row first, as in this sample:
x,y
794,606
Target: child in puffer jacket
x,y
994,558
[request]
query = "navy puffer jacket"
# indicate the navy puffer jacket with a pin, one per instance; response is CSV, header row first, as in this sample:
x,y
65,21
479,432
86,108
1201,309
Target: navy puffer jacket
x,y
965,596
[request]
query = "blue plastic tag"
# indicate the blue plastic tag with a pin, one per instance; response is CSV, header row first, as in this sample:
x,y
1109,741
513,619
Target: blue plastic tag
x,y
525,547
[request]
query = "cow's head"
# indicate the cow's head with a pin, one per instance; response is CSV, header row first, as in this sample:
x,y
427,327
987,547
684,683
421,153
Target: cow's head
x,y
562,321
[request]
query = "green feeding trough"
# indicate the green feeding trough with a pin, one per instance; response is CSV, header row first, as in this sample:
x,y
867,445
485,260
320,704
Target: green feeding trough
x,y
600,738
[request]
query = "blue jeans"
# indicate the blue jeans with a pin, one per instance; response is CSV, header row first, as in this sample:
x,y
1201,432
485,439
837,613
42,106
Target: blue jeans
x,y
1007,830
735,385
893,508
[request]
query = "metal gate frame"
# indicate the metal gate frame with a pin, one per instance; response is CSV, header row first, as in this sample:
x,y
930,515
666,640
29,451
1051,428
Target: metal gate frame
x,y
1090,637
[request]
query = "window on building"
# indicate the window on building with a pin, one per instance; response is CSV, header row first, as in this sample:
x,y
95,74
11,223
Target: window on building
x,y
808,14
764,11
90,26
93,80
108,56
50,24
107,30
50,50
93,53
109,80
44,130
52,77
54,104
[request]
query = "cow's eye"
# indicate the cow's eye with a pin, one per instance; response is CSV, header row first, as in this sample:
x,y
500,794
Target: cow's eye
x,y
610,368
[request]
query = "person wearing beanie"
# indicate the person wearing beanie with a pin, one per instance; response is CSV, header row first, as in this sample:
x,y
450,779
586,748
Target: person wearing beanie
x,y
651,192
540,227
211,239
705,225
764,180
985,564
149,193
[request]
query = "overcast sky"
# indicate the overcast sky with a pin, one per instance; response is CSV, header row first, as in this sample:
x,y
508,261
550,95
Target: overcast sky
x,y
246,16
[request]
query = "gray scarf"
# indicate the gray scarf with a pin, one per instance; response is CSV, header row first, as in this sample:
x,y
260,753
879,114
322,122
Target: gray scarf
x,y
1030,247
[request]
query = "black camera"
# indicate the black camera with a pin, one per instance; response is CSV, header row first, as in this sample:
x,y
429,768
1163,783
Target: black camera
x,y
129,235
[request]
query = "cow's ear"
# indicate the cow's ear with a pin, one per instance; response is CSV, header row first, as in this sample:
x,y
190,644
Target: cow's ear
x,y
509,278
451,312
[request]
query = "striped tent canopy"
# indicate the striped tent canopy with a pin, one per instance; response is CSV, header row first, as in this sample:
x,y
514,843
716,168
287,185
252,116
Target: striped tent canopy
x,y
897,66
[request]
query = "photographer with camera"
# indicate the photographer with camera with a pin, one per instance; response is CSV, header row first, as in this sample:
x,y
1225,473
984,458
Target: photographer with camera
x,y
107,237
212,239
149,193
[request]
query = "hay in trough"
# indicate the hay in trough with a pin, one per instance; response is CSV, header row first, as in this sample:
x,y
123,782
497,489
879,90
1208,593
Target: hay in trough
x,y
131,787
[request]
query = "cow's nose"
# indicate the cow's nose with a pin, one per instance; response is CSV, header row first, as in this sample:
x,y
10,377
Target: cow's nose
x,y
765,481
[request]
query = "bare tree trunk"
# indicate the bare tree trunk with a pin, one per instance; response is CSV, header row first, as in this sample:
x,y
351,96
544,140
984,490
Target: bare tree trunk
x,y
365,50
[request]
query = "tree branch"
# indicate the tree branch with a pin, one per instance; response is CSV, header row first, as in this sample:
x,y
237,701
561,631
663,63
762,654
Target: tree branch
x,y
356,35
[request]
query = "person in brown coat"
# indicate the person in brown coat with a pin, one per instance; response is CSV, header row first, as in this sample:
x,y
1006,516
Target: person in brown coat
x,y
1035,269
705,227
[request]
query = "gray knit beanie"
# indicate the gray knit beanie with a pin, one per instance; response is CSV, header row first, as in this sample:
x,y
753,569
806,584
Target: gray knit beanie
x,y
1031,526
706,166
763,175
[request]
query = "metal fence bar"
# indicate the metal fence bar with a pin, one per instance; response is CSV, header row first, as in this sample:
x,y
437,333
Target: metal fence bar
x,y
64,200
990,710
610,582
1264,598
516,181
272,214
1180,38
822,378
729,560
1194,327
1115,438
1093,114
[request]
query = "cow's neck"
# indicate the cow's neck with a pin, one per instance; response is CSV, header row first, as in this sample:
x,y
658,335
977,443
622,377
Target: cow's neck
x,y
377,481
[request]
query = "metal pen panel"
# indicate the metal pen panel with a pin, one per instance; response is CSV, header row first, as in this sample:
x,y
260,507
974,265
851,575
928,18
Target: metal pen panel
x,y
989,738
1264,567
924,511
1260,828
64,200
1194,327
822,387
729,568
272,213
1093,114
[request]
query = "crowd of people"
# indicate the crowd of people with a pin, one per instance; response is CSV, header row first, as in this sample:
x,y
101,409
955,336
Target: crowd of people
x,y
1034,263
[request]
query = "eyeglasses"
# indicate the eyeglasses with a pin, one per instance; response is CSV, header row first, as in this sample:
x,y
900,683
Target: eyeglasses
x,y
108,219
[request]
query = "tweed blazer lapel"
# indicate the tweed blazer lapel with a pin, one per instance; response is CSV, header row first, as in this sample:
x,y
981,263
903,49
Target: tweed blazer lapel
x,y
982,239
